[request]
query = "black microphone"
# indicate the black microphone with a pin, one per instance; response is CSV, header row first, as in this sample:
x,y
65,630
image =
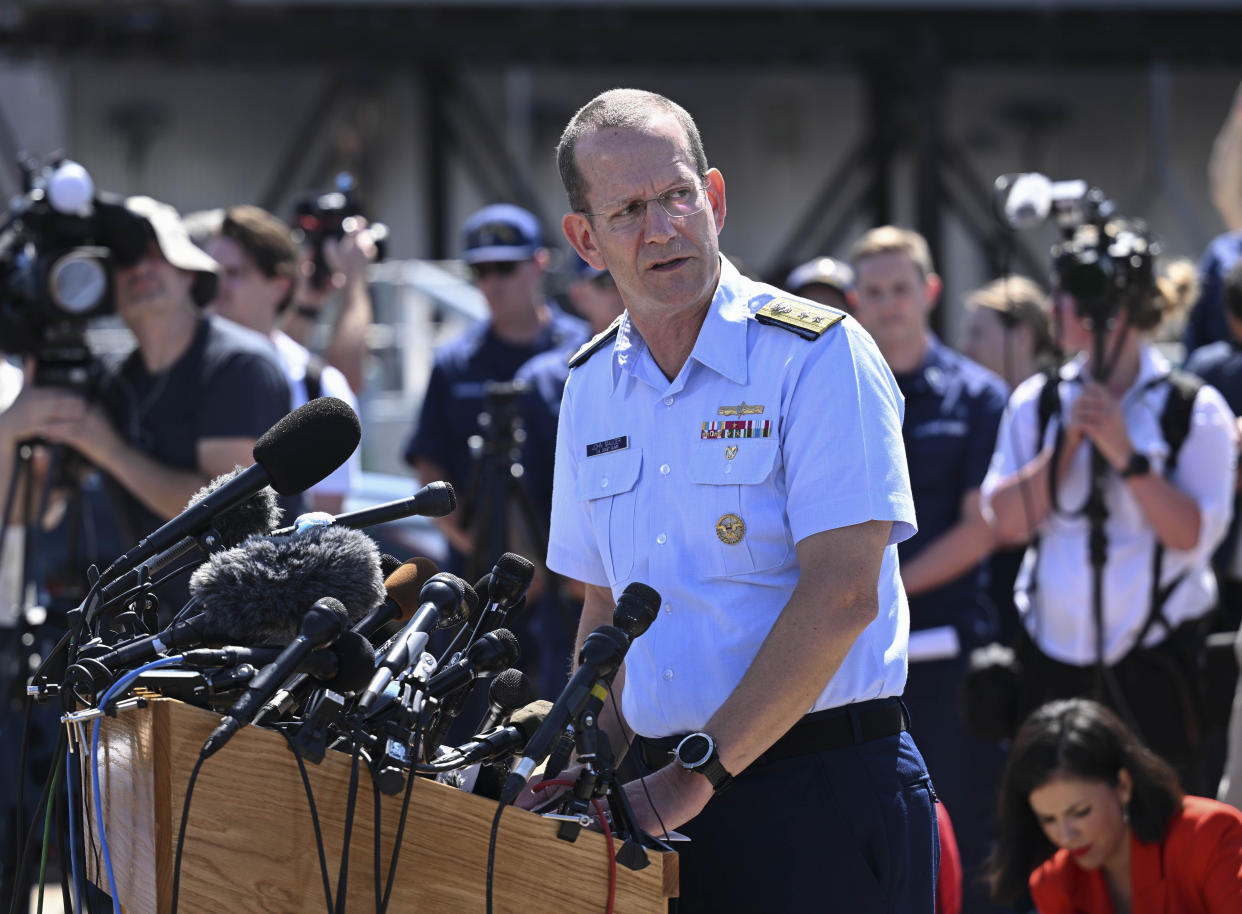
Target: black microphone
x,y
256,514
509,691
344,666
441,606
492,744
636,608
323,623
294,454
497,650
601,655
435,499
261,585
507,584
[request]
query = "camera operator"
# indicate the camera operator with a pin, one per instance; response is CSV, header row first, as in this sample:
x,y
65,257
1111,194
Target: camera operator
x,y
336,265
1166,507
259,263
186,405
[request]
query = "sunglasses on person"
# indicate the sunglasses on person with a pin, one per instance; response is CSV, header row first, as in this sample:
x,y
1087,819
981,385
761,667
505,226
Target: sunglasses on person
x,y
498,268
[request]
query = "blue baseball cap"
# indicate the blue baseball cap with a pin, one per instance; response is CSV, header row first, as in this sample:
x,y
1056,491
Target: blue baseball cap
x,y
583,270
501,232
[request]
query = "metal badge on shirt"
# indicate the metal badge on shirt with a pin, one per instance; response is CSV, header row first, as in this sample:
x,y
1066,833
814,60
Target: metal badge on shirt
x,y
620,443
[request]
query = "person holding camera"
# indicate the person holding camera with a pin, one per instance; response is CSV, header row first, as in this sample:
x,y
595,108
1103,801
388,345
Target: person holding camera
x,y
1118,473
1094,822
259,264
186,405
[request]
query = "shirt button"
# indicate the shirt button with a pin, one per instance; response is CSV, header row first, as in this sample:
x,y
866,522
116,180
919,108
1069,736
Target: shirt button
x,y
668,607
728,468
662,539
668,401
665,469
668,673
603,483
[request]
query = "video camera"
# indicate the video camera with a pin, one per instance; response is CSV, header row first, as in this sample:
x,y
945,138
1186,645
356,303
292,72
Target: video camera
x,y
59,246
318,217
1105,261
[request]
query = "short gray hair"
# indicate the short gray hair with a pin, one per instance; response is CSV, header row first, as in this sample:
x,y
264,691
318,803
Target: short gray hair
x,y
619,108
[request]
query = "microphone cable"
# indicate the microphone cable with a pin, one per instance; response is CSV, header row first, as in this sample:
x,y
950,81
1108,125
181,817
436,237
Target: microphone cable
x,y
351,804
27,844
642,775
599,814
116,688
415,753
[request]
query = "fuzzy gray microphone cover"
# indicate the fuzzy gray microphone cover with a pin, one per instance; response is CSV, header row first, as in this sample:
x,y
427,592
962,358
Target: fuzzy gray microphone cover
x,y
258,592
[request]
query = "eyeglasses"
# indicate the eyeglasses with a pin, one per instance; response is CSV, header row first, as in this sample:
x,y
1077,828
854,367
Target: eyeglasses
x,y
678,202
499,268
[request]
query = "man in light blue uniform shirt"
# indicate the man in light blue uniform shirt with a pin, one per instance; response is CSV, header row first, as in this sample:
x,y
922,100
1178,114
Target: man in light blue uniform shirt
x,y
740,451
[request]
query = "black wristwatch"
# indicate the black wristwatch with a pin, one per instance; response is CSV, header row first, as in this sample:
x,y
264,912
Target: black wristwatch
x,y
1137,465
697,752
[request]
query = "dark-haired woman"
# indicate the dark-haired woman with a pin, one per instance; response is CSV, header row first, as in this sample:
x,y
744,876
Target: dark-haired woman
x,y
1096,823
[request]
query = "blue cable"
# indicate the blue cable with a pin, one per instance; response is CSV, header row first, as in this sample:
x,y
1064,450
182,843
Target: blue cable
x,y
119,686
73,841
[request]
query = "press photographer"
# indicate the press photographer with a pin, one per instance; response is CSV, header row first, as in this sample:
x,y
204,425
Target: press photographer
x,y
187,404
1118,473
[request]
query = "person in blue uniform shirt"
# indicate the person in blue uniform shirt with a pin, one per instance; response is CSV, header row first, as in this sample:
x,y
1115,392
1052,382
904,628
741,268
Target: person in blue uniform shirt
x,y
739,451
953,409
505,251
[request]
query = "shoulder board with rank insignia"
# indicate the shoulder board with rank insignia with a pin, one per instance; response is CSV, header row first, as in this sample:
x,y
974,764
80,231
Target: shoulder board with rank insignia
x,y
595,343
806,319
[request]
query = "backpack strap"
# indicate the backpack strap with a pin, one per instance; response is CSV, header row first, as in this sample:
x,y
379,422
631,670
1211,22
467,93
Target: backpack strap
x,y
1175,428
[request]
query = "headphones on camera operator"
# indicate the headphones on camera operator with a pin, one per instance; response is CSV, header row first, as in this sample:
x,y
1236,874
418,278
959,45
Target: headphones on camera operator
x,y
1106,263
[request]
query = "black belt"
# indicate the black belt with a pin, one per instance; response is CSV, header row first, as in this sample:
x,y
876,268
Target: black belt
x,y
819,731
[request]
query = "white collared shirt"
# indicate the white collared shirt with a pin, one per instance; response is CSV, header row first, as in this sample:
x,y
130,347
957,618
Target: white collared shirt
x,y
655,482
1057,610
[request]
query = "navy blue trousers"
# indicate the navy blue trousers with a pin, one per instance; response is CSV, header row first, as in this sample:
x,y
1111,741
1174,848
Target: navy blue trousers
x,y
851,829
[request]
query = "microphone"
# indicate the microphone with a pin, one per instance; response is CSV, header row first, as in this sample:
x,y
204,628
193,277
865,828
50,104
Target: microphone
x,y
492,744
344,666
509,691
323,623
442,605
435,499
497,650
261,585
506,585
402,588
294,454
258,513
601,655
636,608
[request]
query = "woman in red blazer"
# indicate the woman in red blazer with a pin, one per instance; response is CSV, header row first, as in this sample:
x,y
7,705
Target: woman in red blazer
x,y
1095,823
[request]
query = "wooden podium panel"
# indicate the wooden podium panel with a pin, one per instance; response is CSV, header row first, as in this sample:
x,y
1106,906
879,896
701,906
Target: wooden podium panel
x,y
250,844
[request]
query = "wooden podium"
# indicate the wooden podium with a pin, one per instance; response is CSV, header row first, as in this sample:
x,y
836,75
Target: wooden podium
x,y
250,844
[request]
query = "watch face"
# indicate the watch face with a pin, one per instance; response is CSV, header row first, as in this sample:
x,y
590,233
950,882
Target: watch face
x,y
694,750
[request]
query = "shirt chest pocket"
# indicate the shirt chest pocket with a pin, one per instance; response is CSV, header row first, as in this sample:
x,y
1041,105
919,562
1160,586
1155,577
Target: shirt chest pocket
x,y
606,484
737,509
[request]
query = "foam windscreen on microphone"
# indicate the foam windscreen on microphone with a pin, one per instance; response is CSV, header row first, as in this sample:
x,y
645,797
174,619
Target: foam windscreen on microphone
x,y
259,591
355,663
529,718
259,513
405,585
308,444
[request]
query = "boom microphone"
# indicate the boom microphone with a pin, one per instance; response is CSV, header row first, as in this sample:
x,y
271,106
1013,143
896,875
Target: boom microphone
x,y
261,586
294,454
435,499
323,623
256,514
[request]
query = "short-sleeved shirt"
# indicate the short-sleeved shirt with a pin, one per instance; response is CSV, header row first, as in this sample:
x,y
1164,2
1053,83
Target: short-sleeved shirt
x,y
295,358
227,384
953,409
1053,594
1206,322
455,390
702,486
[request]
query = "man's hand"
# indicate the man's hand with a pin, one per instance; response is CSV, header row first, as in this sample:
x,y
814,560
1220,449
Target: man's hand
x,y
351,254
676,794
1097,414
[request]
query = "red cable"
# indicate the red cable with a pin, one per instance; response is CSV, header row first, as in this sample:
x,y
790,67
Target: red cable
x,y
599,814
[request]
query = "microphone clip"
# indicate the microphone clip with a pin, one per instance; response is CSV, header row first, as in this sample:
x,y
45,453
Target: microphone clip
x,y
323,711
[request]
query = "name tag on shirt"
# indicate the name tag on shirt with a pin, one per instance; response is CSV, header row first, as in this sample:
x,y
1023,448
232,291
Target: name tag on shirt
x,y
607,447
